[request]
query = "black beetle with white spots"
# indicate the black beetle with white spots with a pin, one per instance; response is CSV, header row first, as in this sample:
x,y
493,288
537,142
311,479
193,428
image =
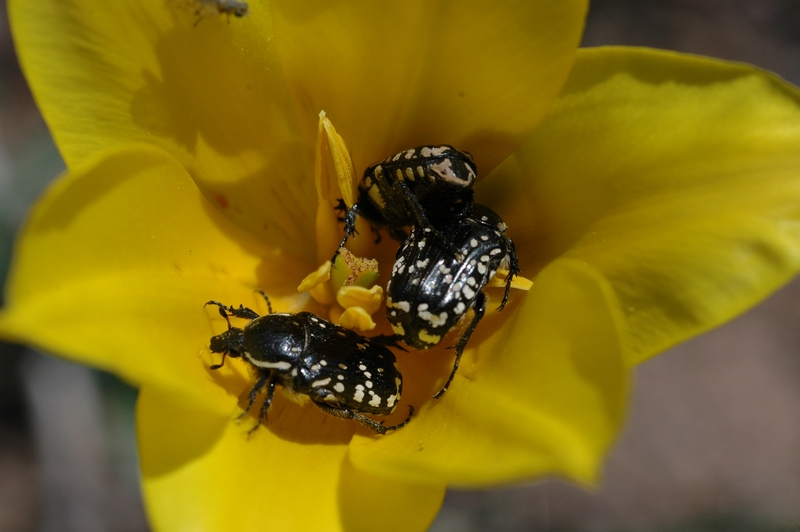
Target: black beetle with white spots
x,y
421,187
343,373
431,288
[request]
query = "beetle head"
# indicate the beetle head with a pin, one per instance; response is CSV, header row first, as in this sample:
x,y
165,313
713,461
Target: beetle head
x,y
229,343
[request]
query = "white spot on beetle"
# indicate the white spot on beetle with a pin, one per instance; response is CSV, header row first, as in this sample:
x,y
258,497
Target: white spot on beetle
x,y
362,367
469,293
338,387
375,401
473,243
321,382
369,384
283,365
405,306
433,319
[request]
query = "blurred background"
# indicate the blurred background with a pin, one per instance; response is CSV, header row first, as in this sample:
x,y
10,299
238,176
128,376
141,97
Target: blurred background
x,y
713,440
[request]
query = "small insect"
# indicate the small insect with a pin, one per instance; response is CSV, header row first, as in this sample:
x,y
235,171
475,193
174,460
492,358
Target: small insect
x,y
431,289
421,187
343,373
204,8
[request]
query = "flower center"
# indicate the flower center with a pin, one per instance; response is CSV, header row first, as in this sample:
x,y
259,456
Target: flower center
x,y
349,287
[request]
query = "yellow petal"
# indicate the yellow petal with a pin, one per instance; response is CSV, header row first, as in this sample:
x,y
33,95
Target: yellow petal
x,y
675,176
202,472
544,394
116,261
397,75
211,95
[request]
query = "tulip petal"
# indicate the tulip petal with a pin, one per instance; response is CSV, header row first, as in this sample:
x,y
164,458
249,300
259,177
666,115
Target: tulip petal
x,y
105,72
544,394
675,176
115,263
203,472
394,75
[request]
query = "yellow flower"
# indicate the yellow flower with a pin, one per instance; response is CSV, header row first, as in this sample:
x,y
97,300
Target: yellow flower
x,y
658,197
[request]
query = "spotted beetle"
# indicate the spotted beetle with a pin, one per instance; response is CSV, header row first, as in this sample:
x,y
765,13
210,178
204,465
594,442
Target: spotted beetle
x,y
431,289
421,187
343,373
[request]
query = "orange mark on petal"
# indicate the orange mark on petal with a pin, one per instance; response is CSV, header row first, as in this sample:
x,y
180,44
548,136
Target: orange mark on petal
x,y
222,200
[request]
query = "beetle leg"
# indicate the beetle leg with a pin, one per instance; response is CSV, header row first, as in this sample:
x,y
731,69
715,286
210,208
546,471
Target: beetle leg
x,y
262,414
262,380
241,312
341,210
377,232
346,413
217,366
403,423
402,190
349,229
421,220
480,309
513,269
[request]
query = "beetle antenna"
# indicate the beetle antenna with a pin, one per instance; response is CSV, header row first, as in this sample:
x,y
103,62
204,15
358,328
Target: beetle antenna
x,y
269,305
217,366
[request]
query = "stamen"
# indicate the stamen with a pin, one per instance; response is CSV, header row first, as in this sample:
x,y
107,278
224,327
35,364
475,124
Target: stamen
x,y
351,270
357,296
316,283
356,318
329,141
